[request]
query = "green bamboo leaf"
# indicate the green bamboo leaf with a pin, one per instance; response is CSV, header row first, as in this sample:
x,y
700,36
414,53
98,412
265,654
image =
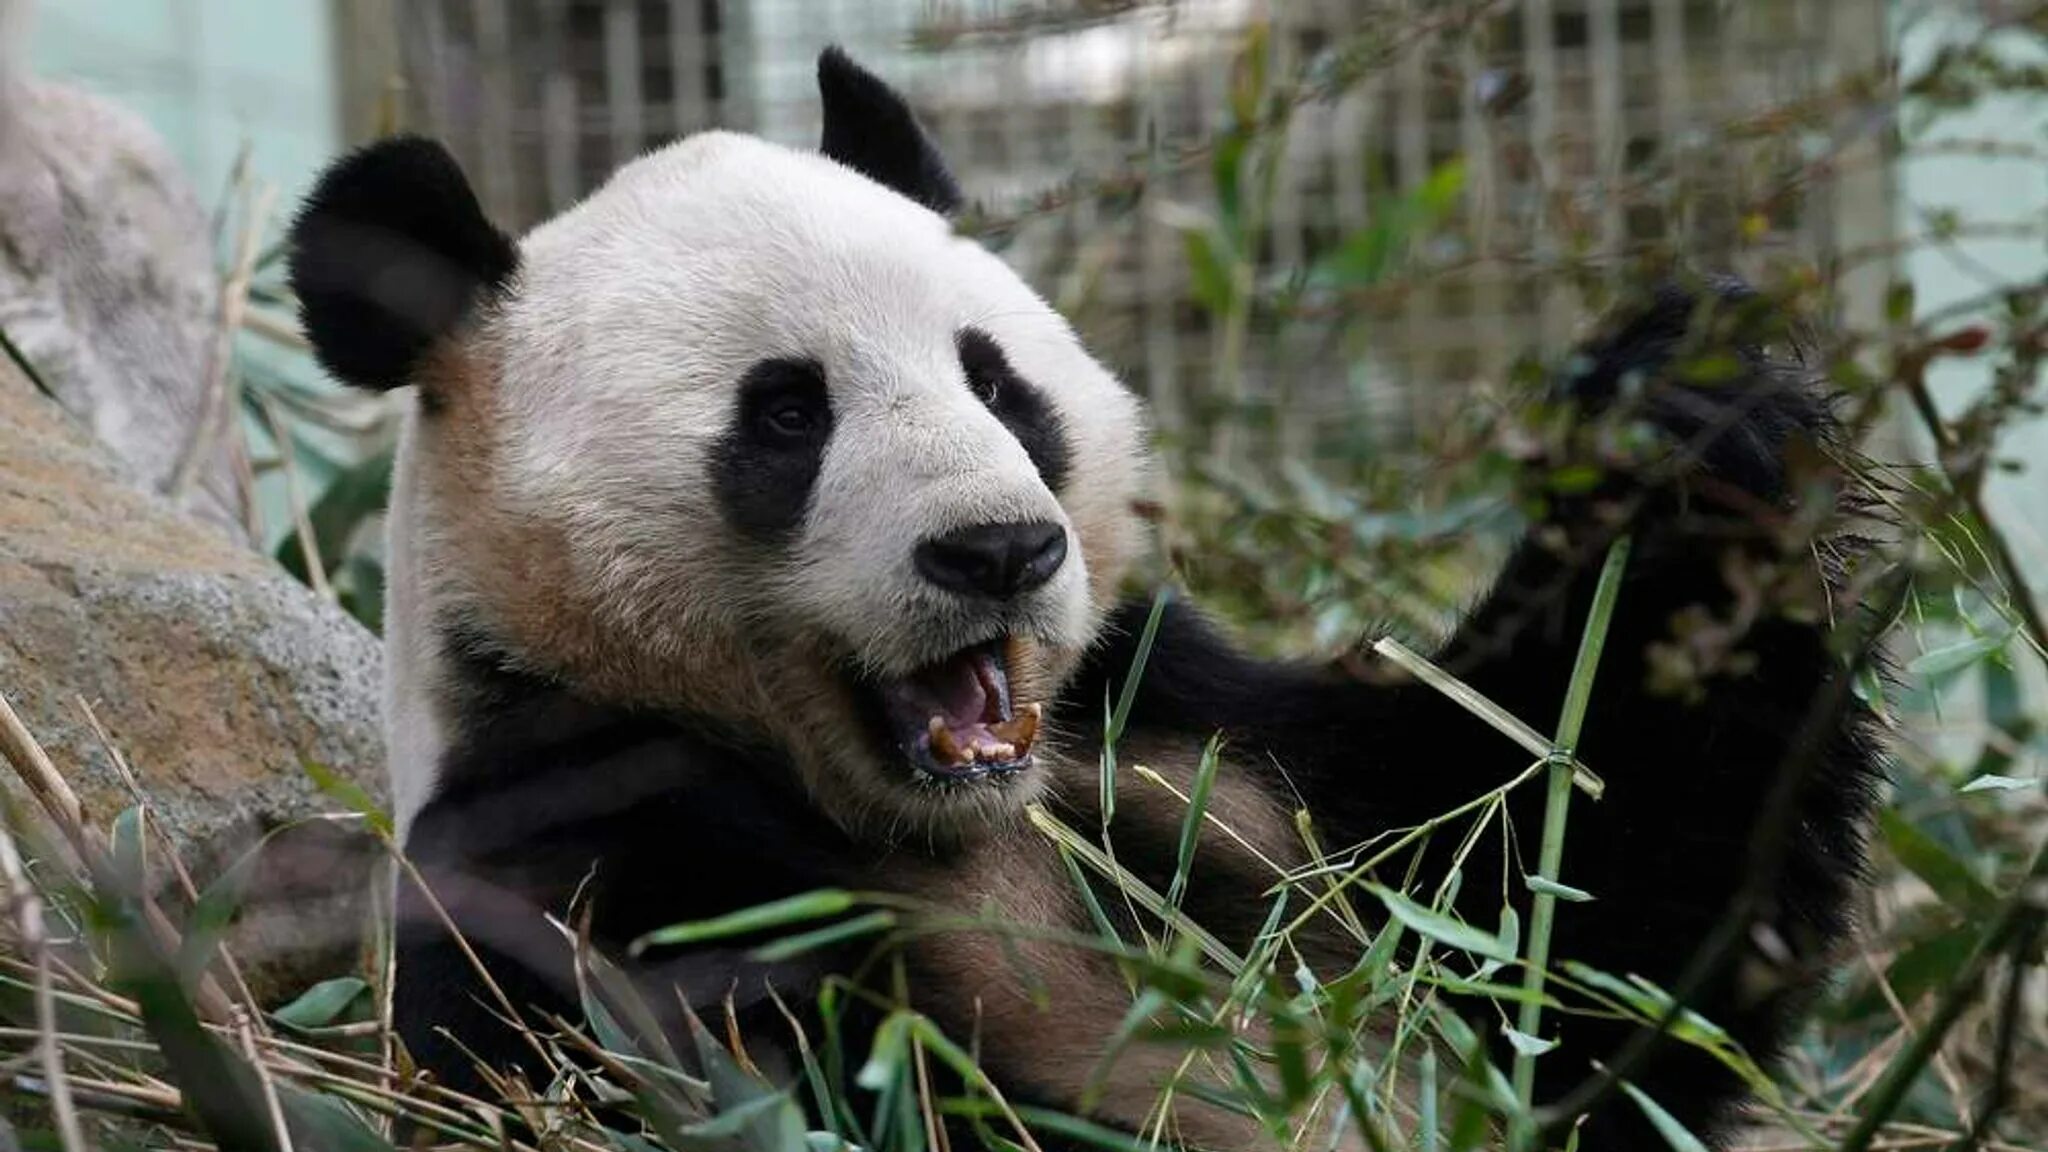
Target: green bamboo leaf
x,y
1649,1002
1951,879
348,794
1191,821
217,1087
1128,695
1954,658
778,1127
887,1058
1898,303
790,910
1439,193
126,847
1674,1133
1120,715
1443,929
317,1120
1209,269
769,1123
320,1005
219,902
790,947
1993,782
1554,888
1491,990
1526,1044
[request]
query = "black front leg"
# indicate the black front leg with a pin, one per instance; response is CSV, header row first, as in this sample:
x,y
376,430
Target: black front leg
x,y
1709,691
1719,692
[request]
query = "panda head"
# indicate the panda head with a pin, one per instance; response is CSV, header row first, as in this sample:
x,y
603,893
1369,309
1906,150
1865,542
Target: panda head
x,y
748,435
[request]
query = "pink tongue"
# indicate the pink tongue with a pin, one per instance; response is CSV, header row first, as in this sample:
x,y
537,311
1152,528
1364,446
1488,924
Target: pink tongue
x,y
952,690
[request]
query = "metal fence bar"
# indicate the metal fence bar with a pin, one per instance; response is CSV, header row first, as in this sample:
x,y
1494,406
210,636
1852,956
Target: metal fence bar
x,y
1674,105
1610,131
690,107
540,94
497,110
1158,251
561,130
624,110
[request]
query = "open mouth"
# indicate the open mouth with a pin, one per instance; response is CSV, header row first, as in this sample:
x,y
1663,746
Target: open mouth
x,y
954,719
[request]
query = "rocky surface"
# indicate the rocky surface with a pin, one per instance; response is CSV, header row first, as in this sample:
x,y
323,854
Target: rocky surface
x,y
108,284
217,675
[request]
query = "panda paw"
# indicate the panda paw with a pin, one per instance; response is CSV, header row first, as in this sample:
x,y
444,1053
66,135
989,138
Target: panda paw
x,y
1698,400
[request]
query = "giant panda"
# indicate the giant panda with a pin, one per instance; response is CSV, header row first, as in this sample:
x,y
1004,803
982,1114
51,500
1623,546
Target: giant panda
x,y
753,532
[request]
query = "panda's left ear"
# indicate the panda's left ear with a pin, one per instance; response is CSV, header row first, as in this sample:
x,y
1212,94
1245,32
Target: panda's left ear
x,y
871,129
390,254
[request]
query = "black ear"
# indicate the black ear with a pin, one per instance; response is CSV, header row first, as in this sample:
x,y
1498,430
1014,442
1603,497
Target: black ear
x,y
871,130
389,254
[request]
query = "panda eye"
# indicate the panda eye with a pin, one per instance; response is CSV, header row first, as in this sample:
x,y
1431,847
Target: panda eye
x,y
789,420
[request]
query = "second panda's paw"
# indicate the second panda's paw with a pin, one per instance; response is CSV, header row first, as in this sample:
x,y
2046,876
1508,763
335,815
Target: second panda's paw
x,y
1696,400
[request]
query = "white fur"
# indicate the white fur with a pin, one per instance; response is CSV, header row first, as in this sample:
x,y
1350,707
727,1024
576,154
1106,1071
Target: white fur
x,y
618,351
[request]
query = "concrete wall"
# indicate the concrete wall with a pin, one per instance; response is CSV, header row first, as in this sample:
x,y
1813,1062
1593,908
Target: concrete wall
x,y
210,75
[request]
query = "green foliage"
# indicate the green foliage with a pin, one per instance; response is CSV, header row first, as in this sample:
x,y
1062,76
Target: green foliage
x,y
1361,525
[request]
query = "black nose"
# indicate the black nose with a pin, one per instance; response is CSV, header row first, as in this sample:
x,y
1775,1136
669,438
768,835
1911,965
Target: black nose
x,y
994,560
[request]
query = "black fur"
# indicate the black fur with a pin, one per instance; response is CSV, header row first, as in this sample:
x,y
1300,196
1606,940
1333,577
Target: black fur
x,y
551,804
1667,849
767,460
657,820
389,255
1022,408
870,129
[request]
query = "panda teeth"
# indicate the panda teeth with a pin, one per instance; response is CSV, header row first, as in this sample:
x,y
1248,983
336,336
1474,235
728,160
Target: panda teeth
x,y
1021,731
944,746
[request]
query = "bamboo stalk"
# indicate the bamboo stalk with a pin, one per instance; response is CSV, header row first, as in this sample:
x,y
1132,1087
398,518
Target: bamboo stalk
x,y
1556,811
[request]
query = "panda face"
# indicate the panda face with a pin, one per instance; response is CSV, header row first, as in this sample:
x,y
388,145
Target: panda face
x,y
748,436
769,410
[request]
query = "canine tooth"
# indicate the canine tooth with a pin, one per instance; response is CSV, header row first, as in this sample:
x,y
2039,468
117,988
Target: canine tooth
x,y
1021,730
1017,664
946,748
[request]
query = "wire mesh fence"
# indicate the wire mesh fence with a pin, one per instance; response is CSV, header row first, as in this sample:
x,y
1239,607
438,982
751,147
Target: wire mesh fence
x,y
1582,130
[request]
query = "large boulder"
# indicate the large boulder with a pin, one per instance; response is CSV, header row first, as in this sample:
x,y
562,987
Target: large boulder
x,y
108,287
217,675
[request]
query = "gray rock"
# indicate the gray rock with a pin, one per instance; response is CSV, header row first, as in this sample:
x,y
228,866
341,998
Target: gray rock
x,y
216,674
108,285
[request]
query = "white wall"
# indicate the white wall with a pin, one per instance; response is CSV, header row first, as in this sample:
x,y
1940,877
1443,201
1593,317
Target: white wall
x,y
1979,191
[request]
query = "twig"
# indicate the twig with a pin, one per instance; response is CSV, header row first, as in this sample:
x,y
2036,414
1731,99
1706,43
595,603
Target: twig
x,y
32,765
476,962
44,782
28,914
1997,1095
22,362
247,1036
302,524
2019,919
178,869
234,302
1942,1066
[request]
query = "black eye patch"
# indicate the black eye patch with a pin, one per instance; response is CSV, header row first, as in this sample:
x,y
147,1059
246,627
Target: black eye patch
x,y
765,463
1023,409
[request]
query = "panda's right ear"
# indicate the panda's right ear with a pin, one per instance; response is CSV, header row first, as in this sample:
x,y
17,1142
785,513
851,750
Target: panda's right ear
x,y
390,254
